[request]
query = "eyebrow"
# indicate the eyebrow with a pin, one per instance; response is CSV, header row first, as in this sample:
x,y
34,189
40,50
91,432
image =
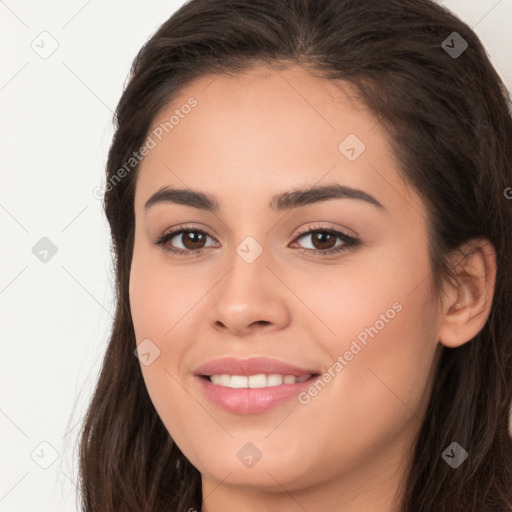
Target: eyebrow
x,y
280,202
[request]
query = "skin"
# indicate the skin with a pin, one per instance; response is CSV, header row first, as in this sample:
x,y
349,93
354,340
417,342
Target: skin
x,y
251,136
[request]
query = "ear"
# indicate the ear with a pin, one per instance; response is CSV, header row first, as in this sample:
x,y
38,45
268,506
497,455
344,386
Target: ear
x,y
468,298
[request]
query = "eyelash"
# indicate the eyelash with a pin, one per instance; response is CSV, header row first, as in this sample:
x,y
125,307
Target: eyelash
x,y
349,241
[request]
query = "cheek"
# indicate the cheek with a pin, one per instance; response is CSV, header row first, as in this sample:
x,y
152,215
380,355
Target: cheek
x,y
161,300
165,304
159,305
367,298
384,328
380,315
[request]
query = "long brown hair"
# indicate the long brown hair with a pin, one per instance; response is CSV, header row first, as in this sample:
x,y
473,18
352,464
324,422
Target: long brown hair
x,y
448,117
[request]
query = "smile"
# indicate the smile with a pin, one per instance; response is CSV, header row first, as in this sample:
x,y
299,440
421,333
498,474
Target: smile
x,y
252,385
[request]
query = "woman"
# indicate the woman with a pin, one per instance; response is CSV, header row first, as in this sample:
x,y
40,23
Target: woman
x,y
312,234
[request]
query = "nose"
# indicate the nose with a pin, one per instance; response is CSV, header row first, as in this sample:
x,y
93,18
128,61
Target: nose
x,y
249,298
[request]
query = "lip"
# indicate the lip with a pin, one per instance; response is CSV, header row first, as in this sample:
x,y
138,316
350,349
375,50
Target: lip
x,y
251,366
246,401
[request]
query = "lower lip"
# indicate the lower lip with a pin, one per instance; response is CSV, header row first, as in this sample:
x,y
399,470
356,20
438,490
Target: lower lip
x,y
251,400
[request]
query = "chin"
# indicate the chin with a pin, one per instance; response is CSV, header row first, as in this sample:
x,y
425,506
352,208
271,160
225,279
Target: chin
x,y
270,473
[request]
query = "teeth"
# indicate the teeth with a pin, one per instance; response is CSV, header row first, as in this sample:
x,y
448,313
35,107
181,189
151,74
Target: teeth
x,y
224,380
255,381
239,381
274,379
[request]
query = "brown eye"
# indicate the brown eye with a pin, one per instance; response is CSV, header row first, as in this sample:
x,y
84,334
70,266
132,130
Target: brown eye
x,y
323,240
192,241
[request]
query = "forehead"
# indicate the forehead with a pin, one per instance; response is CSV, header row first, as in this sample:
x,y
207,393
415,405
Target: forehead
x,y
266,129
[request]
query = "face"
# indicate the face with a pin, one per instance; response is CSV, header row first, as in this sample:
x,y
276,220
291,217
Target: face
x,y
330,289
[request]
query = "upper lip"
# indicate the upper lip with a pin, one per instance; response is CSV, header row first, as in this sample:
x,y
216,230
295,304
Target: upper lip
x,y
251,366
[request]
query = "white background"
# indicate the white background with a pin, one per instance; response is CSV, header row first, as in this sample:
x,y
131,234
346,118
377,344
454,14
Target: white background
x,y
55,130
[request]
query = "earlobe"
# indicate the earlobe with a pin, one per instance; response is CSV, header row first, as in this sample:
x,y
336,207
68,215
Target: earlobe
x,y
468,299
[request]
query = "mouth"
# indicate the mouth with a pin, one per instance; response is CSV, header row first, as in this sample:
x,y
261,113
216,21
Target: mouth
x,y
252,386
